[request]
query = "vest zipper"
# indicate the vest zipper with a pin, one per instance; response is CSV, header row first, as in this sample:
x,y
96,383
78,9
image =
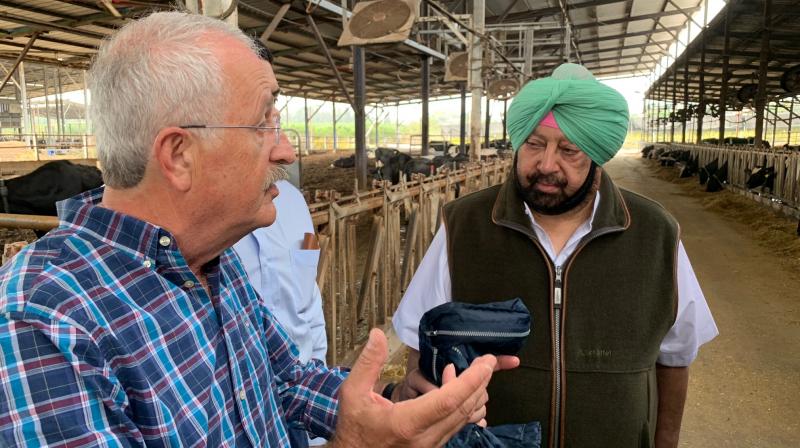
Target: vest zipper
x,y
557,343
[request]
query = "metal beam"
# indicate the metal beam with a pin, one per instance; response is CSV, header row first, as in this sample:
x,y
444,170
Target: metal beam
x,y
19,60
543,12
328,56
264,38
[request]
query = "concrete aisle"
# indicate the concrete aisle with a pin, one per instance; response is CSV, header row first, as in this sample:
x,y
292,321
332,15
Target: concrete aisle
x,y
744,387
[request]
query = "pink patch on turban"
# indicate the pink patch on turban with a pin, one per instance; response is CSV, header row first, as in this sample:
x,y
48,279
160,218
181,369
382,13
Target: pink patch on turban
x,y
549,120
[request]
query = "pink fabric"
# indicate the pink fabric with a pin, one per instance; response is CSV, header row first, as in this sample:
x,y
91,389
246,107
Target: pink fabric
x,y
549,120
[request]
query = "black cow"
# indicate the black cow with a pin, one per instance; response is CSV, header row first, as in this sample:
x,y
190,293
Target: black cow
x,y
36,193
718,179
391,167
345,162
707,171
763,177
419,165
689,168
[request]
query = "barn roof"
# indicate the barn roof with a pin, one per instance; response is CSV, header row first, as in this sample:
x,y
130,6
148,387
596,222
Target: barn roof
x,y
611,37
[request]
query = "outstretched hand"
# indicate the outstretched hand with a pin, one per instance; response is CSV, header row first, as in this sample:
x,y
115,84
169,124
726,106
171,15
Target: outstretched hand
x,y
367,419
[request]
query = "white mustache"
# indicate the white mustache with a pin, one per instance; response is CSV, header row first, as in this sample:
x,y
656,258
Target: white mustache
x,y
276,174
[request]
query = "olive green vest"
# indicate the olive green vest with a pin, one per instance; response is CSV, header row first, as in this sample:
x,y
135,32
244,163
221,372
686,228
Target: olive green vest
x,y
618,301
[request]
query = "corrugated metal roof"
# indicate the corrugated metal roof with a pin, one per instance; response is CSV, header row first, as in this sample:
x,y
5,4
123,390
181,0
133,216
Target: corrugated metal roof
x,y
611,37
746,28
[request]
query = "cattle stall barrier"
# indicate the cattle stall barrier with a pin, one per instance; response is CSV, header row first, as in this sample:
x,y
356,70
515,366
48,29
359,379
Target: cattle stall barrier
x,y
404,218
742,160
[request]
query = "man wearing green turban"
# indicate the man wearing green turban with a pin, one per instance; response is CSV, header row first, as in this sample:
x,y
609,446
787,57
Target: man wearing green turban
x,y
617,312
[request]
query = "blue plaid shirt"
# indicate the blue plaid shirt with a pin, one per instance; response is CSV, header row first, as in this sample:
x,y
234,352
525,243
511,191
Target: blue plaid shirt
x,y
108,339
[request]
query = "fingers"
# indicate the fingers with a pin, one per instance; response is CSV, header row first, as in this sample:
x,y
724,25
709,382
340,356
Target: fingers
x,y
449,374
447,409
418,384
506,362
367,368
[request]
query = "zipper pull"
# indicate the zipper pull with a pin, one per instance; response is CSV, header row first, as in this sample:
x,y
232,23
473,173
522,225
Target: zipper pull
x,y
557,295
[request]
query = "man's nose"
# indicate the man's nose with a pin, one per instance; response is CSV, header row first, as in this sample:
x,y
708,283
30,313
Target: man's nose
x,y
549,161
283,152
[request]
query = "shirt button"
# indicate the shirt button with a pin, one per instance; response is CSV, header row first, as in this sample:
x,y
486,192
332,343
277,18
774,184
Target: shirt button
x,y
147,263
242,395
164,241
188,284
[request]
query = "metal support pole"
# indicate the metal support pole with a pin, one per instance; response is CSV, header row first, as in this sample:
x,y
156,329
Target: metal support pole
x,y
674,97
791,115
685,97
86,117
47,107
425,94
475,79
25,127
359,98
60,118
377,128
397,125
462,148
723,94
701,110
488,122
335,143
505,112
305,148
775,123
761,94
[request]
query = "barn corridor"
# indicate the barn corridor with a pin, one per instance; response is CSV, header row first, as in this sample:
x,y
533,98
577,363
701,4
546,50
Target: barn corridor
x,y
745,385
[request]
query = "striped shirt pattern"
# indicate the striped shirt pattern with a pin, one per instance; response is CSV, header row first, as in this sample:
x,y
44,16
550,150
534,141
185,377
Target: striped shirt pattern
x,y
108,339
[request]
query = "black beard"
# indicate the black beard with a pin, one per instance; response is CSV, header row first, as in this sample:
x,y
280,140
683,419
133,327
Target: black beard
x,y
553,203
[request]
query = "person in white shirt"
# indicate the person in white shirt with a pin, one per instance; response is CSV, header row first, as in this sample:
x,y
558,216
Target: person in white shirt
x,y
618,314
284,273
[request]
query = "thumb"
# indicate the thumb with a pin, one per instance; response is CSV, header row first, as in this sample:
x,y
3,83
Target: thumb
x,y
367,368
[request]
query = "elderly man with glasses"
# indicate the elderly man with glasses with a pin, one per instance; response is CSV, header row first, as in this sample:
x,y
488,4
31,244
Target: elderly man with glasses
x,y
133,324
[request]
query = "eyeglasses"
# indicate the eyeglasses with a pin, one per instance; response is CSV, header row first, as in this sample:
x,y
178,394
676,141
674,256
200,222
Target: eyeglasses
x,y
274,126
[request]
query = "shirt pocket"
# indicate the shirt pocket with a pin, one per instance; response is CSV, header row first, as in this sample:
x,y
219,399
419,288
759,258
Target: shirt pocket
x,y
304,265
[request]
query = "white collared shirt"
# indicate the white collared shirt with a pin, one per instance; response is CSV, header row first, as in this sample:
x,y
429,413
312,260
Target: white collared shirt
x,y
431,286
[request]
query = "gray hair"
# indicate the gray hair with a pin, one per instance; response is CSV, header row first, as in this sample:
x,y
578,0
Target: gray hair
x,y
154,73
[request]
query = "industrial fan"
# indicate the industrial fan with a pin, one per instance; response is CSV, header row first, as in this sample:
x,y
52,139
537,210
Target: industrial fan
x,y
746,93
456,68
502,89
379,22
790,81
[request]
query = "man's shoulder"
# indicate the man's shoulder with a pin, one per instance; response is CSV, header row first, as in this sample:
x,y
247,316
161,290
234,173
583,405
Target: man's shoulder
x,y
43,274
643,208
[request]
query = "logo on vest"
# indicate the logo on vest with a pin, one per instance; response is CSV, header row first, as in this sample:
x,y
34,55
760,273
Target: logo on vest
x,y
594,353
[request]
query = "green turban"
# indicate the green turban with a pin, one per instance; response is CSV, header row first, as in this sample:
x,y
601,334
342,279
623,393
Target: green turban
x,y
591,115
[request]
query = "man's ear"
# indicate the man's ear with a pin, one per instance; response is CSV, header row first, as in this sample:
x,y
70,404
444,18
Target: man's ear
x,y
173,152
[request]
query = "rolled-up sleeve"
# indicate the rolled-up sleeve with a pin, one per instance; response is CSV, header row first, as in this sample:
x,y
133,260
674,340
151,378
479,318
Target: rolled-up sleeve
x,y
694,325
430,287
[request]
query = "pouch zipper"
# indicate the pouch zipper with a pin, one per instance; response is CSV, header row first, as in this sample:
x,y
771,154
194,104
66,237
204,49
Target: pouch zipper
x,y
474,334
478,334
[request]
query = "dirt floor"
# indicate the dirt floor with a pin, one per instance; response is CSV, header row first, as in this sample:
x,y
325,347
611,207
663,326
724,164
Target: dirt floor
x,y
745,385
318,174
